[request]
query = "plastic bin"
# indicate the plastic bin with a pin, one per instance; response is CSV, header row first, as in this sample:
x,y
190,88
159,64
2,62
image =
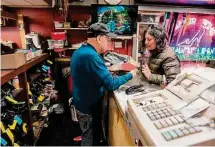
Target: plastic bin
x,y
51,43
58,35
58,24
59,43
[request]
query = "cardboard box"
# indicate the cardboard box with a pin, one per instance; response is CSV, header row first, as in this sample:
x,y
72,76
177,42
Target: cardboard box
x,y
12,61
28,53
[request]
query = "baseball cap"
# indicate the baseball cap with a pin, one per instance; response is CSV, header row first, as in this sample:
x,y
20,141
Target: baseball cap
x,y
99,29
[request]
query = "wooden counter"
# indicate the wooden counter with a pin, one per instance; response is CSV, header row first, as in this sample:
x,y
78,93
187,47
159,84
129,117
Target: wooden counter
x,y
118,132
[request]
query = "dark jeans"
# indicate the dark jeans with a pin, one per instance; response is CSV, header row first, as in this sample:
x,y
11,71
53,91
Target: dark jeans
x,y
85,122
91,126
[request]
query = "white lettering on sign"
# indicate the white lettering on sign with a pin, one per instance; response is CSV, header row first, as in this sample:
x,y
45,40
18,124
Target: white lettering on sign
x,y
208,51
193,41
185,50
191,21
206,24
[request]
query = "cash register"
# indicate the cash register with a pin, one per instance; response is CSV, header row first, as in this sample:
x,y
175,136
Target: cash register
x,y
181,114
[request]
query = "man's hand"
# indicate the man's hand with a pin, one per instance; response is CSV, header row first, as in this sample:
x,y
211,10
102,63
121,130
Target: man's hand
x,y
134,73
146,71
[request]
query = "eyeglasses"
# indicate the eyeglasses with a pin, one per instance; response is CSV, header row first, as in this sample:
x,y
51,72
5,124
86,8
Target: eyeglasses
x,y
108,38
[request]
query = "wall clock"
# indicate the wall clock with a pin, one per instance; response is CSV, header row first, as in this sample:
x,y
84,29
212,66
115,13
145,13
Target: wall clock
x,y
113,2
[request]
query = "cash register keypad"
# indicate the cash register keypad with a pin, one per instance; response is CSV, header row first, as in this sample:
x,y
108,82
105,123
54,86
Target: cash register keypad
x,y
164,116
163,113
155,106
180,132
168,122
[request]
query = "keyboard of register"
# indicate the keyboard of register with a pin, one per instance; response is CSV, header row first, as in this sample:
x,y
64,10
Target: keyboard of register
x,y
163,116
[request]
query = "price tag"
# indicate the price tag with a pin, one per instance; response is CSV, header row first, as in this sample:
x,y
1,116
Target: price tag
x,y
50,62
18,119
10,135
2,127
46,67
24,128
15,144
11,100
47,79
43,69
13,126
3,142
41,98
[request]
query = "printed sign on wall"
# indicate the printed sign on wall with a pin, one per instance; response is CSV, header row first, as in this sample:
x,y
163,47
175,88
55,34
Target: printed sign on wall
x,y
194,37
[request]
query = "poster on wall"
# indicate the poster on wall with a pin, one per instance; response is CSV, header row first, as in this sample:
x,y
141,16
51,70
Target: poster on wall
x,y
194,37
120,19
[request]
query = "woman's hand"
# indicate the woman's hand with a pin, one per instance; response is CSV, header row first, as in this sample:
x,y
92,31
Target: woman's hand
x,y
146,71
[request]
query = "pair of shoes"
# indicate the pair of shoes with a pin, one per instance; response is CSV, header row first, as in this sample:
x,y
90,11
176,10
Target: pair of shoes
x,y
84,23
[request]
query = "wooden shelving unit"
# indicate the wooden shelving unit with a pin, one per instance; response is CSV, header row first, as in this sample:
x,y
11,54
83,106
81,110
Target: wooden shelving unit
x,y
34,76
7,75
9,15
78,29
124,37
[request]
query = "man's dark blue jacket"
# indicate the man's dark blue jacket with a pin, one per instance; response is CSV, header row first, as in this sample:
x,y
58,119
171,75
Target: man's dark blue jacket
x,y
90,76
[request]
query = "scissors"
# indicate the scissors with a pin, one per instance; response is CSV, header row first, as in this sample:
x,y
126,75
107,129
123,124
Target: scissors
x,y
134,89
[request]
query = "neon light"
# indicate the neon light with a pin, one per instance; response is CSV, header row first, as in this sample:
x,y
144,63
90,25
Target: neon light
x,y
191,21
190,42
199,54
206,24
178,25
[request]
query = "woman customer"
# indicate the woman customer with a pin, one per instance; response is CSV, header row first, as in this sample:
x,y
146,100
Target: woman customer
x,y
163,65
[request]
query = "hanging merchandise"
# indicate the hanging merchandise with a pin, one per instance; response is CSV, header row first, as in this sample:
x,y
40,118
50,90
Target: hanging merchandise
x,y
172,25
186,23
181,28
167,18
65,7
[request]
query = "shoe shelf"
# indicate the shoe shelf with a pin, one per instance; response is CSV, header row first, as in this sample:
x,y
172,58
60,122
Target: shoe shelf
x,y
62,59
7,75
38,125
21,72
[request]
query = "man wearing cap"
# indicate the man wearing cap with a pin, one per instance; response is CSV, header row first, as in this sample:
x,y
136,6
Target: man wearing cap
x,y
90,77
